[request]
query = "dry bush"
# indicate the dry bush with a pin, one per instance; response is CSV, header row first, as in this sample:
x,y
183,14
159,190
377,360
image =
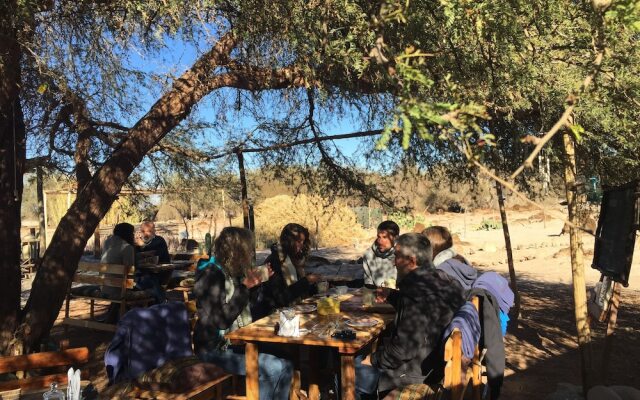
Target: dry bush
x,y
331,223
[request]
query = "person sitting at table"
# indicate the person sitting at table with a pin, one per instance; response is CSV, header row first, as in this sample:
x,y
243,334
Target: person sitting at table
x,y
289,282
147,240
222,293
446,259
411,351
378,260
118,249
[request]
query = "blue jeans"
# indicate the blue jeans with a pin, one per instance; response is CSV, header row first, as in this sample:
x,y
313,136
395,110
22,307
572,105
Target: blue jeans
x,y
151,281
367,377
274,374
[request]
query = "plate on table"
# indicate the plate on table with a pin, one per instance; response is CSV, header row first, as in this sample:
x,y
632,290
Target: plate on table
x,y
305,308
362,322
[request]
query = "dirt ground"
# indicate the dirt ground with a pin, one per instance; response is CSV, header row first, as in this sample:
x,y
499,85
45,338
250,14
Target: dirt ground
x,y
542,348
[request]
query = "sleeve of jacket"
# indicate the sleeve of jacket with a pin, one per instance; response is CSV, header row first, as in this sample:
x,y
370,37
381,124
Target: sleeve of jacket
x,y
407,339
163,251
210,294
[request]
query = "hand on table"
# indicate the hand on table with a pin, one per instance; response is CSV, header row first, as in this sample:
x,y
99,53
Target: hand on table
x,y
382,294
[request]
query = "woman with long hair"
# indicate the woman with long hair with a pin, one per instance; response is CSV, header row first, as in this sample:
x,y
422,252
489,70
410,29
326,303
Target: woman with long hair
x,y
222,293
289,282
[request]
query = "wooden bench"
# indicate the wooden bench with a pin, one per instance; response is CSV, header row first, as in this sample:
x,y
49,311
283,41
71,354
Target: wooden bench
x,y
66,358
115,276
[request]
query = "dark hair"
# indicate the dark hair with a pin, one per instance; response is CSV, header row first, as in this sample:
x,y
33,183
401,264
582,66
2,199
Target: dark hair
x,y
234,249
418,246
390,227
125,232
288,236
440,238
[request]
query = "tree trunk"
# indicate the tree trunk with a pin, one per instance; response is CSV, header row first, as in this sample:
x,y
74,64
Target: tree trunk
x,y
577,263
94,200
515,311
12,159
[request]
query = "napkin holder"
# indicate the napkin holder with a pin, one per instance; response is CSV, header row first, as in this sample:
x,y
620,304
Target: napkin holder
x,y
289,326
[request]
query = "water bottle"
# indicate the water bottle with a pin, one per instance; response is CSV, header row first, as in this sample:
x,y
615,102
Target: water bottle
x,y
54,393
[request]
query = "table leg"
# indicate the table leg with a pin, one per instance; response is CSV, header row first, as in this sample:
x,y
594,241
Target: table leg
x,y
251,360
348,372
314,376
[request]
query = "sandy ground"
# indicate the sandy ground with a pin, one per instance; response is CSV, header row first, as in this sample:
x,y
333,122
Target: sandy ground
x,y
542,347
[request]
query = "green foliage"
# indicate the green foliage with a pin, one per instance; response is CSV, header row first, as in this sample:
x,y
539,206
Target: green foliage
x,y
489,225
406,220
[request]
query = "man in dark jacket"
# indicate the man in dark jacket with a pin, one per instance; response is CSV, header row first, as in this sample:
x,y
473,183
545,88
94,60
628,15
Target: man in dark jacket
x,y
411,353
148,241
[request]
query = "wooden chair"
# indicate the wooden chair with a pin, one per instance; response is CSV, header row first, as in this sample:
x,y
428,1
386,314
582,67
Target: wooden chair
x,y
104,275
66,358
456,375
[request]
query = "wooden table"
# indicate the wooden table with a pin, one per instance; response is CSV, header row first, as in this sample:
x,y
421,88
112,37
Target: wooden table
x,y
262,331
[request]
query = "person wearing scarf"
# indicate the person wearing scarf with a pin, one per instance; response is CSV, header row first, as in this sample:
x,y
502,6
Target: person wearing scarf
x,y
222,292
289,281
446,259
378,261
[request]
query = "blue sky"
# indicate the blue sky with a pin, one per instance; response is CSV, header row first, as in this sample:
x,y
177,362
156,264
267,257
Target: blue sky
x,y
178,56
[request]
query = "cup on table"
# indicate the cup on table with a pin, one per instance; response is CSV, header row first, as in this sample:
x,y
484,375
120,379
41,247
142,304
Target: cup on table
x,y
340,290
323,287
368,296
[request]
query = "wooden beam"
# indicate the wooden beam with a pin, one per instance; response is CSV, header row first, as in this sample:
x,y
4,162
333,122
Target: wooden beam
x,y
41,215
44,360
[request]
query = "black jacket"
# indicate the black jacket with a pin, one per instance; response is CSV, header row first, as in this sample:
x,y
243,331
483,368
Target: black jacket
x,y
275,293
214,314
158,245
491,339
412,352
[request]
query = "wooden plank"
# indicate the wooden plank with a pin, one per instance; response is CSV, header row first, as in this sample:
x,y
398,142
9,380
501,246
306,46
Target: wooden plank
x,y
101,326
101,280
457,388
28,362
36,382
103,268
251,363
348,376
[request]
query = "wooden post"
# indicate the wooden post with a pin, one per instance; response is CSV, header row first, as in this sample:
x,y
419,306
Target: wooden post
x,y
611,326
577,264
515,312
41,215
348,376
243,184
44,212
97,249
